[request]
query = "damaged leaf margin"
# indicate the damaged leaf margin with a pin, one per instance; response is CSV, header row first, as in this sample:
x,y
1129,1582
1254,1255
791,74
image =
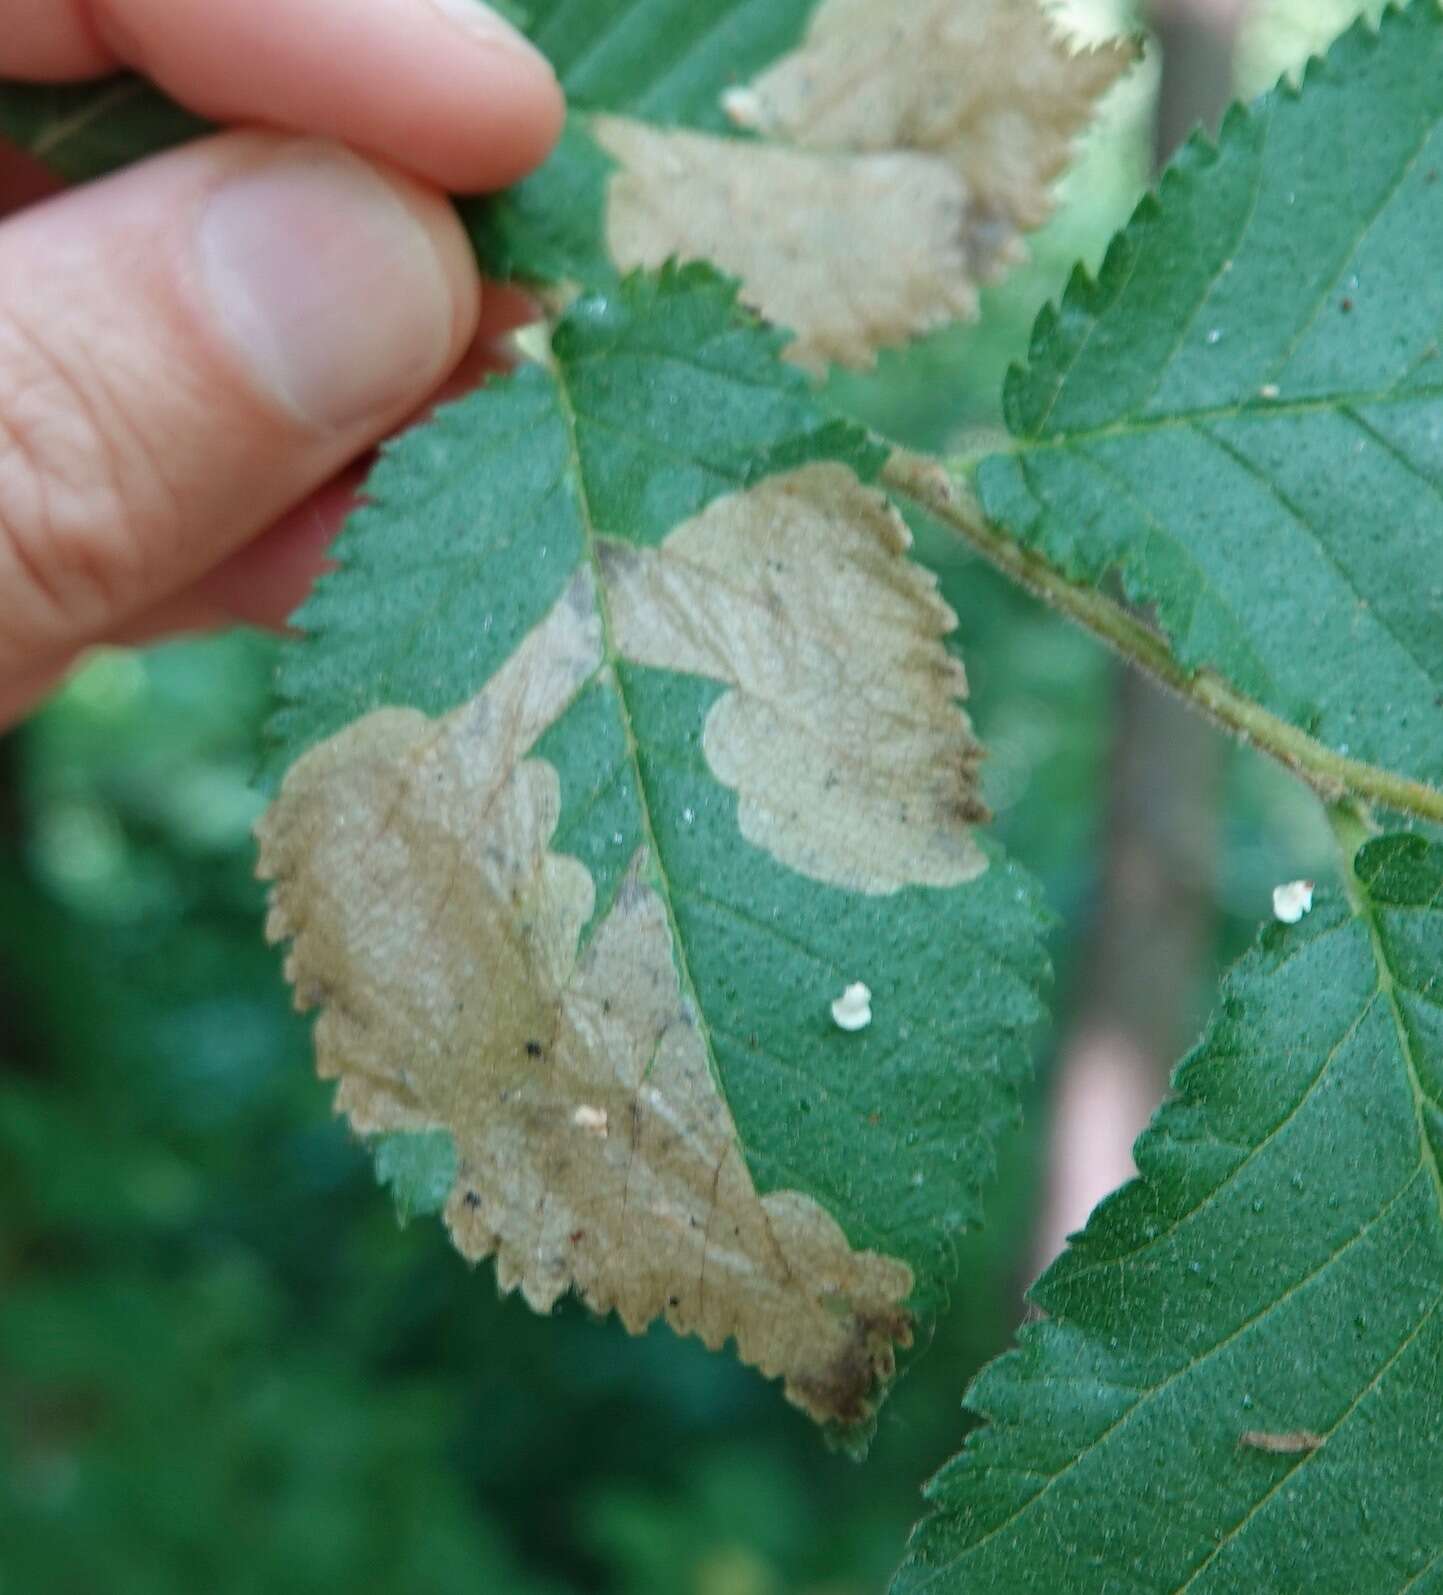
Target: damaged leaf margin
x,y
844,740
676,647
907,149
443,939
429,918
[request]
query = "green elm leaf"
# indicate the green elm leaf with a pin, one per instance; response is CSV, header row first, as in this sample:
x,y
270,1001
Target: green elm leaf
x,y
664,61
857,220
667,61
1242,414
475,529
621,744
1238,1384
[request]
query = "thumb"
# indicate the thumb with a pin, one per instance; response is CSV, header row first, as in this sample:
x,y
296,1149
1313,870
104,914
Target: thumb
x,y
187,350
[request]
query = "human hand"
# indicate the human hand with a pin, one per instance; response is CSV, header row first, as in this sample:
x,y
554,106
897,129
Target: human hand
x,y
196,353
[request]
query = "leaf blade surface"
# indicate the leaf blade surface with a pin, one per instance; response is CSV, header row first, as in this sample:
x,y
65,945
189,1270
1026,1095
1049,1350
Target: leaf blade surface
x,y
687,780
1240,415
1240,1381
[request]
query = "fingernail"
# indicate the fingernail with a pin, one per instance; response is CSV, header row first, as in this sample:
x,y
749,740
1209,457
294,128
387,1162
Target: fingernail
x,y
482,23
327,285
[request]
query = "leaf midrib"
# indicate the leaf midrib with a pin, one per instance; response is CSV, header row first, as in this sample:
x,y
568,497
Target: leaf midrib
x,y
1151,1392
1388,987
1255,408
611,660
1364,913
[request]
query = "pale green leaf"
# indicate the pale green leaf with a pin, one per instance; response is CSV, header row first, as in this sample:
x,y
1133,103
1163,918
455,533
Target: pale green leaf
x,y
419,1167
520,557
1238,1385
1242,414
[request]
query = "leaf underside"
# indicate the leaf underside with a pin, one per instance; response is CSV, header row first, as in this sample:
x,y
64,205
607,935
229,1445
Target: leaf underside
x,y
1239,1385
640,606
1242,414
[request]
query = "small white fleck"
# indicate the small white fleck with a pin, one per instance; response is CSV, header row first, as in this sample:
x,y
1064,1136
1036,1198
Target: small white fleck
x,y
593,1120
1269,390
1292,901
1215,336
853,1009
742,107
688,815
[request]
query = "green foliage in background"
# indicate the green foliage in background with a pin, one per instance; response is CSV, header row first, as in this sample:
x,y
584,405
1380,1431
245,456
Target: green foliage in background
x,y
222,1363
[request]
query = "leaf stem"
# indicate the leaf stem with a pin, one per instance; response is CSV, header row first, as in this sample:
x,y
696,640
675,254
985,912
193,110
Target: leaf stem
x,y
1333,777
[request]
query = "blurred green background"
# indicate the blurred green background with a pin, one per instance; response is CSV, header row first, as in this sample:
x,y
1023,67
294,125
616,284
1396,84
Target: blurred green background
x,y
224,1367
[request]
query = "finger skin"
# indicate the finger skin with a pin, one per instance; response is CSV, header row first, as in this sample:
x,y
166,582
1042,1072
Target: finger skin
x,y
265,582
52,40
23,180
136,450
454,95
19,693
267,579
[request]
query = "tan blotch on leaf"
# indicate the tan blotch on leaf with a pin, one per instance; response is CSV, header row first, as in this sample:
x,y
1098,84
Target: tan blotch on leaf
x,y
852,760
438,934
909,145
852,255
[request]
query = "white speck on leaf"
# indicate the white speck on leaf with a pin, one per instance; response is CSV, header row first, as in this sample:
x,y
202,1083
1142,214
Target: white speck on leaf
x,y
853,1009
1269,390
1292,901
743,107
595,1121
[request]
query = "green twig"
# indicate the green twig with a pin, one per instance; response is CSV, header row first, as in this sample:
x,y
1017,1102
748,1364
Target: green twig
x,y
1335,778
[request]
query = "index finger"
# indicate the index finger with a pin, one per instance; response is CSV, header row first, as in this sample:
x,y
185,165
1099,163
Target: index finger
x,y
445,88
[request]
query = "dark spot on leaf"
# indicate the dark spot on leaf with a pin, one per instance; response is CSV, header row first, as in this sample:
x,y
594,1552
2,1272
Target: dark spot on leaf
x,y
844,1390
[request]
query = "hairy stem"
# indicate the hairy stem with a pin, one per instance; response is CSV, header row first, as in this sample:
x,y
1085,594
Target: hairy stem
x,y
1332,776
